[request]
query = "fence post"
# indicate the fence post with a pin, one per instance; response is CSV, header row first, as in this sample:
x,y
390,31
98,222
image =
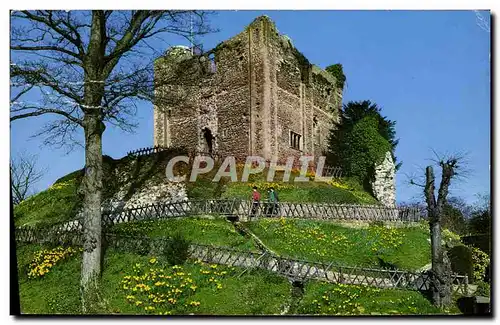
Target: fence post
x,y
466,286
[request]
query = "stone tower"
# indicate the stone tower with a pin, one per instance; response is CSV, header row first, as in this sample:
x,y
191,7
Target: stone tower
x,y
254,94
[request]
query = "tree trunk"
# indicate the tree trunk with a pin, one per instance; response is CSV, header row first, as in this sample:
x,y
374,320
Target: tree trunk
x,y
441,267
94,128
91,265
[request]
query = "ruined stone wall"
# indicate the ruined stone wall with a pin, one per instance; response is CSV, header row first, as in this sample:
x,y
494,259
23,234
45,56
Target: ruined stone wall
x,y
209,91
384,181
261,89
292,95
327,101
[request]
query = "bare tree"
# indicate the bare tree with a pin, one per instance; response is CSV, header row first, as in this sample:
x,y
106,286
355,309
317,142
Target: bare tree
x,y
24,175
89,69
441,267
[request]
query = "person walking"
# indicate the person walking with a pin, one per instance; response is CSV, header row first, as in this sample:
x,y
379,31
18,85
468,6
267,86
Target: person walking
x,y
255,201
273,201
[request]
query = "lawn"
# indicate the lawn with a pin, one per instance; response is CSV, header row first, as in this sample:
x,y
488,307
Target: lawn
x,y
142,285
207,231
340,191
340,299
56,204
404,248
374,246
345,190
133,284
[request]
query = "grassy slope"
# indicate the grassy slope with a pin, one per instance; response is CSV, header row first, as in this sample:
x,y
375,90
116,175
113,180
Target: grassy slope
x,y
345,190
255,292
61,202
58,203
405,248
338,299
217,232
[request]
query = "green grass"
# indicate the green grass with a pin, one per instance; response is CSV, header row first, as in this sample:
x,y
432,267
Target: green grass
x,y
56,292
345,191
216,231
61,201
56,204
339,299
404,248
255,292
374,246
202,289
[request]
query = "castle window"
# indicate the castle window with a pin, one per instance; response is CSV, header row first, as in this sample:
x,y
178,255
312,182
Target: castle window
x,y
317,135
295,140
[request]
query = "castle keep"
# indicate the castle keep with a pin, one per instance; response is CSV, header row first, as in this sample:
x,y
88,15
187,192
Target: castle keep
x,y
253,94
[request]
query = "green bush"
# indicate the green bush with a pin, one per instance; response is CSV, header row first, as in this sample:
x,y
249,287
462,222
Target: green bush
x,y
177,249
483,289
461,261
363,148
480,261
450,237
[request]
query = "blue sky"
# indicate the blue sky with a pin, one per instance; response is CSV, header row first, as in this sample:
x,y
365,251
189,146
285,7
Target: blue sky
x,y
428,70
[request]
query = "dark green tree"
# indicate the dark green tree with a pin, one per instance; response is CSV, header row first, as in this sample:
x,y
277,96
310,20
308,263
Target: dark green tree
x,y
351,114
453,219
480,220
362,148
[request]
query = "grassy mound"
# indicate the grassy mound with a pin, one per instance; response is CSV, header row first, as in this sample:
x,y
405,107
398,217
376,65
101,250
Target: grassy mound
x,y
144,285
214,231
133,284
377,246
58,203
127,175
61,201
373,246
340,299
346,190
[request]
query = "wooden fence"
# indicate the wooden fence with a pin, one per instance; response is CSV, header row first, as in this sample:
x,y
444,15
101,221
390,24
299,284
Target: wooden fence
x,y
294,269
247,209
235,208
146,151
328,171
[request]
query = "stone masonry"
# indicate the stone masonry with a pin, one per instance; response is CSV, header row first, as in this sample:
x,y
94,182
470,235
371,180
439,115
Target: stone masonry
x,y
384,182
253,94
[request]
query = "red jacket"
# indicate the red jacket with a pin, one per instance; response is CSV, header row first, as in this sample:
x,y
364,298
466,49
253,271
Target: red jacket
x,y
256,196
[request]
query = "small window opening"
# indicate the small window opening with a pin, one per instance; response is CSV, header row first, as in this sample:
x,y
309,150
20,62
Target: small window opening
x,y
295,140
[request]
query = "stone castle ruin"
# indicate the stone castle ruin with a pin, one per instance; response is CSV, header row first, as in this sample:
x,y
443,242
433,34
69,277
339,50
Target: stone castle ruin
x,y
254,94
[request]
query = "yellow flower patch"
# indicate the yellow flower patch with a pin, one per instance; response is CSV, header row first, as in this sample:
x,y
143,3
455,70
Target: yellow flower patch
x,y
174,293
45,259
